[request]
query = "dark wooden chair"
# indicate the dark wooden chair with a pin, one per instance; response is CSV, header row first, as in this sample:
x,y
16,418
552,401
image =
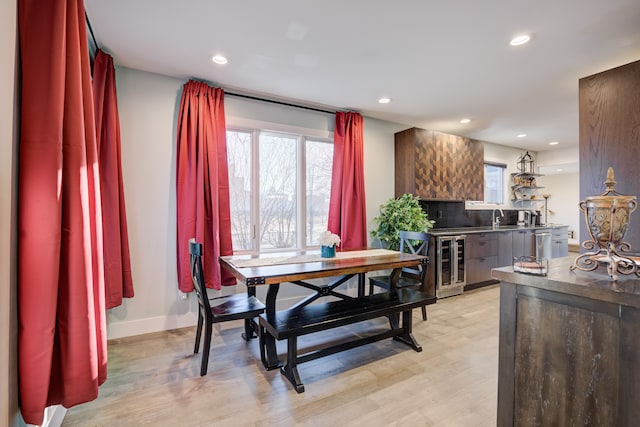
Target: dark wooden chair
x,y
231,307
415,242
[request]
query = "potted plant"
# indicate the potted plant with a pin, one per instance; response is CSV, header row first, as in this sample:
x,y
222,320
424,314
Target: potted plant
x,y
403,213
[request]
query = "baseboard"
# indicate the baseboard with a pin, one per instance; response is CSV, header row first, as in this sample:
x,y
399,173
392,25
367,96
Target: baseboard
x,y
150,325
129,328
480,284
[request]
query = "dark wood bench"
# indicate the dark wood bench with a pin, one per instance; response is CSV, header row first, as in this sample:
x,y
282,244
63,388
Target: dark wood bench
x,y
292,323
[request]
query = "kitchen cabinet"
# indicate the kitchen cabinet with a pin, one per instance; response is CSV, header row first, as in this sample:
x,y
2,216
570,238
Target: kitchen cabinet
x,y
492,248
568,348
505,248
559,242
482,256
436,165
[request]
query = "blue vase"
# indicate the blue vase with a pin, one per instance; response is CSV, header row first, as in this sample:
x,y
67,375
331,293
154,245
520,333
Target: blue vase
x,y
328,251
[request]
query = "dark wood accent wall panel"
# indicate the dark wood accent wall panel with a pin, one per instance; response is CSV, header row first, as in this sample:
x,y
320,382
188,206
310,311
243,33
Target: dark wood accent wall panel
x,y
404,159
469,168
609,104
434,161
436,165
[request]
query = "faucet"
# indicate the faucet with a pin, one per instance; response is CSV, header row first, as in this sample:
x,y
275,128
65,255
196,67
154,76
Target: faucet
x,y
495,218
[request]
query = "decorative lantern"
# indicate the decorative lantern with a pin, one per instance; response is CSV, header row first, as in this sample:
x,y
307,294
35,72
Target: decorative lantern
x,y
607,217
526,163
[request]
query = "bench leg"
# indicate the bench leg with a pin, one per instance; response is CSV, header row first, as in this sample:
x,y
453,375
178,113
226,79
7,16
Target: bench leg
x,y
250,329
394,321
290,370
407,336
269,352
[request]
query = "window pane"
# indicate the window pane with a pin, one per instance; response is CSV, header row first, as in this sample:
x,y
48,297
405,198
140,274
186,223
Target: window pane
x,y
278,179
239,158
493,183
319,159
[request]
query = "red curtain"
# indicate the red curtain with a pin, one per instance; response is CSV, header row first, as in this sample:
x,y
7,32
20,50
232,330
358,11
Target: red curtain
x,y
62,327
347,209
202,182
117,265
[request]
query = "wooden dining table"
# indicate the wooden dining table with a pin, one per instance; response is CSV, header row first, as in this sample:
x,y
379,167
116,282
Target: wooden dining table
x,y
272,269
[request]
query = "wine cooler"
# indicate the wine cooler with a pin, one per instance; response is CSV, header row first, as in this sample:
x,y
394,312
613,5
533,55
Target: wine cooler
x,y
451,271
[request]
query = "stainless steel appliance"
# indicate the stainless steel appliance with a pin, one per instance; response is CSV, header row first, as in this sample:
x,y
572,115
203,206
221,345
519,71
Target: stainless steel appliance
x,y
451,269
543,245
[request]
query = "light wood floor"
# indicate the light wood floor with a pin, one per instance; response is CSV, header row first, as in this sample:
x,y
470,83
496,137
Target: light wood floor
x,y
154,379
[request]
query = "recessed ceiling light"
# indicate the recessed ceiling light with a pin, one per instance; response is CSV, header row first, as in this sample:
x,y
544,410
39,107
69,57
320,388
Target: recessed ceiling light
x,y
519,40
559,170
554,143
219,59
465,121
384,100
521,135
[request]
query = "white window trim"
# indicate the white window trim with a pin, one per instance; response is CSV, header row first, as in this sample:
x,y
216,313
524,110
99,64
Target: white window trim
x,y
481,205
255,127
250,124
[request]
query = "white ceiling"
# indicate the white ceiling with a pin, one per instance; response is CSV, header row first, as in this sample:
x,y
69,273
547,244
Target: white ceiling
x,y
438,61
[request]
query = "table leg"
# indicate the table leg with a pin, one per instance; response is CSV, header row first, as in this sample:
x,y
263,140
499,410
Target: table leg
x,y
271,360
360,285
250,325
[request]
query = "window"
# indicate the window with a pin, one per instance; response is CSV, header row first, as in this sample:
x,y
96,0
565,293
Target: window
x,y
279,189
494,182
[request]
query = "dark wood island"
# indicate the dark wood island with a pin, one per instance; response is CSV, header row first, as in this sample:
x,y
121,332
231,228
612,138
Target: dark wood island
x,y
569,351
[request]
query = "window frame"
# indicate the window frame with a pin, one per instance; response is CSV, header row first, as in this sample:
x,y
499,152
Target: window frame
x,y
302,136
503,193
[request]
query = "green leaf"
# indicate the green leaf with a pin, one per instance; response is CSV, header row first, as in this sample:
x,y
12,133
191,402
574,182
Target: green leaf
x,y
401,214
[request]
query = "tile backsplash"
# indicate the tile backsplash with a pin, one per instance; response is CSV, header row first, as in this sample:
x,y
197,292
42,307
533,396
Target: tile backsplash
x,y
453,214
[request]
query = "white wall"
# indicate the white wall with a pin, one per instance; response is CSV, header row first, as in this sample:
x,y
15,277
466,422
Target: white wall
x,y
503,154
9,414
564,200
562,181
379,156
148,105
560,160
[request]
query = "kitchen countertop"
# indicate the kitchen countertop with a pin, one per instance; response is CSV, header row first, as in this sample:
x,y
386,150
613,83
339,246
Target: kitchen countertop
x,y
488,228
589,284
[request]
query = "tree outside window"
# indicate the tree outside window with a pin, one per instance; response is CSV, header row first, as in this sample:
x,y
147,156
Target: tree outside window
x,y
494,182
267,208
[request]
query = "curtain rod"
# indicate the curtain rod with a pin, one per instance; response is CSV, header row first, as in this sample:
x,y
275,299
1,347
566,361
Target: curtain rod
x,y
279,102
95,42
